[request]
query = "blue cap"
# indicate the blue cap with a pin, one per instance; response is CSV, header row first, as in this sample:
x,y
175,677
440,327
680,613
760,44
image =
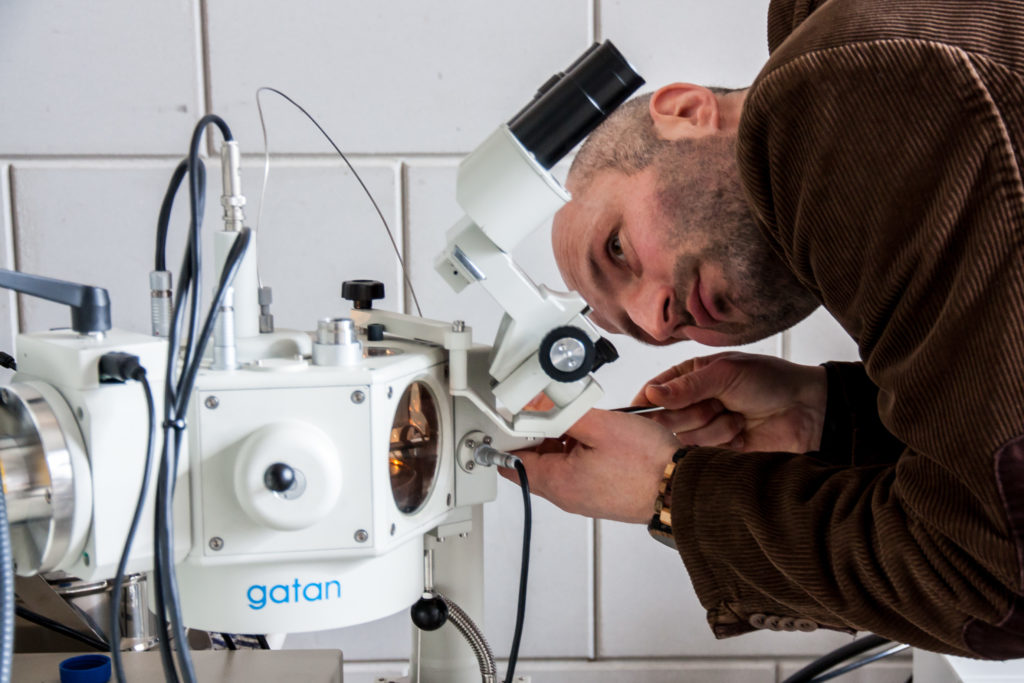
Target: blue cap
x,y
85,669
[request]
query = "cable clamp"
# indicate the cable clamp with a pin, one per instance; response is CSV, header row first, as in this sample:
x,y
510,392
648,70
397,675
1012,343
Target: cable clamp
x,y
178,424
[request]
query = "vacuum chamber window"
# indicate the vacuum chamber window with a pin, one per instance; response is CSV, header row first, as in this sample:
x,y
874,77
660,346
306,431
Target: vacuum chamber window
x,y
413,458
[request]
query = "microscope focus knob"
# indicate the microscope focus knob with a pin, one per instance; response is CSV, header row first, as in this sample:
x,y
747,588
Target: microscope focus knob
x,y
566,354
430,612
279,477
362,293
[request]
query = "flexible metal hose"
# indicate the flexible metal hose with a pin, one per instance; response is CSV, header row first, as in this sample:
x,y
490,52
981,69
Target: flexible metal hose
x,y
477,642
6,595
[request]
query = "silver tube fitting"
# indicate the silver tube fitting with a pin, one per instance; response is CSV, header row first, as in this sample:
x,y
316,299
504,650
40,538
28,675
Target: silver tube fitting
x,y
225,355
232,199
336,343
486,455
160,297
265,298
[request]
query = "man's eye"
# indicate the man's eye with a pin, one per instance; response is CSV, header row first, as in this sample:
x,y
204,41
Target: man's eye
x,y
615,248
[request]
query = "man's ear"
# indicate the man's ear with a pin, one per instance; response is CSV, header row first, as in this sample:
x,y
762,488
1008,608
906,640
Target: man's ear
x,y
682,110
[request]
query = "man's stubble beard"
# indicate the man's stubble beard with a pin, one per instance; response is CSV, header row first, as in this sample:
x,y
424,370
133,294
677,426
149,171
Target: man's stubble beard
x,y
715,212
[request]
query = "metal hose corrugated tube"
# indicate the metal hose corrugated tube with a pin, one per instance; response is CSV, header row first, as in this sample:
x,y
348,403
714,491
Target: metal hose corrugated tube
x,y
477,642
6,595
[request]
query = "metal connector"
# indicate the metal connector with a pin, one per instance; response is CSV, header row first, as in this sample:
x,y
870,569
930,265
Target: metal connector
x,y
487,455
225,354
160,302
266,297
232,199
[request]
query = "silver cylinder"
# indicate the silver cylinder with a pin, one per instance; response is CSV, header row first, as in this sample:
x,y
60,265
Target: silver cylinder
x,y
37,474
225,354
336,342
160,302
91,600
232,200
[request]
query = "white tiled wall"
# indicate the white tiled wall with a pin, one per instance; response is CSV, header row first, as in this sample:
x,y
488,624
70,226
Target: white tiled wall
x,y
99,102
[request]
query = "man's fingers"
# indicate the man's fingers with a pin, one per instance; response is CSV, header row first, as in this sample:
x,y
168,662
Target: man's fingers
x,y
701,384
725,430
690,418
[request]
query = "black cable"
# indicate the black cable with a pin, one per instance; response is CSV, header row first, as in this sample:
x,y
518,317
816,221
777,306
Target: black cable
x,y
262,640
523,571
189,290
836,657
60,628
164,220
115,595
229,642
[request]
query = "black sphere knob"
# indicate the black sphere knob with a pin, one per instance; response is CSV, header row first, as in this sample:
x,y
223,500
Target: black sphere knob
x,y
429,613
279,477
362,293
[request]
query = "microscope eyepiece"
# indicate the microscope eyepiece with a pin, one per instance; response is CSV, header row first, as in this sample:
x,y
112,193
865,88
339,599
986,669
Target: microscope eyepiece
x,y
571,104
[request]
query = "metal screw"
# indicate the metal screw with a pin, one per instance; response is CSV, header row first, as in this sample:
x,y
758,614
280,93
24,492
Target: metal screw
x,y
362,535
470,443
470,466
459,326
487,440
358,397
393,529
216,543
463,535
211,402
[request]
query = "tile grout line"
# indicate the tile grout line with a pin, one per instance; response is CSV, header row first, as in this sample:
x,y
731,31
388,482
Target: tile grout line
x,y
201,15
11,259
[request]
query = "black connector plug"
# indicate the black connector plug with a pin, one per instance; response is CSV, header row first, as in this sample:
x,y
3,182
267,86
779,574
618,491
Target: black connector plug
x,y
118,367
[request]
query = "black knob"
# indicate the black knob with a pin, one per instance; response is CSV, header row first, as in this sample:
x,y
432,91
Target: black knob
x,y
362,293
429,613
279,477
604,352
375,332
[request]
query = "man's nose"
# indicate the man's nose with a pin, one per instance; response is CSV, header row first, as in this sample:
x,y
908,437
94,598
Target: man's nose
x,y
653,309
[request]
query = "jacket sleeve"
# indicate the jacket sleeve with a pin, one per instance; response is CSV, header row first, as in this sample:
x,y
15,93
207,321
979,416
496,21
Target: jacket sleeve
x,y
886,173
853,434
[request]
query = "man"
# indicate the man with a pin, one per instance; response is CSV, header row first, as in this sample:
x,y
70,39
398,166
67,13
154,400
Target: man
x,y
873,168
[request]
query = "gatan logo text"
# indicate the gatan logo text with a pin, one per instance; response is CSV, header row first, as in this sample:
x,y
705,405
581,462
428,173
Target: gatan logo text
x,y
282,593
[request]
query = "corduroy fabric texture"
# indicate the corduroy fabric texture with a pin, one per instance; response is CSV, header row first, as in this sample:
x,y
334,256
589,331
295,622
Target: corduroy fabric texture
x,y
880,149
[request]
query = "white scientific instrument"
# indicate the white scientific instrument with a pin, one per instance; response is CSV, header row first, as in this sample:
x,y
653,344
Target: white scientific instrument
x,y
313,466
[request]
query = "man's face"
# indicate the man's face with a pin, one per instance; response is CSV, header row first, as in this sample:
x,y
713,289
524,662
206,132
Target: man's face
x,y
664,260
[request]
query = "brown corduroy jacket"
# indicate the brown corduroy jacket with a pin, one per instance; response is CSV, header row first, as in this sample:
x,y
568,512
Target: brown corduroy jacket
x,y
881,150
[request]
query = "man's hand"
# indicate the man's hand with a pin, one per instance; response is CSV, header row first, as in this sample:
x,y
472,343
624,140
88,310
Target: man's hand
x,y
609,467
741,401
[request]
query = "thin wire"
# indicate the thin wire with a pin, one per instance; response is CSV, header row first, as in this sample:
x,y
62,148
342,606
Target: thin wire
x,y
380,214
